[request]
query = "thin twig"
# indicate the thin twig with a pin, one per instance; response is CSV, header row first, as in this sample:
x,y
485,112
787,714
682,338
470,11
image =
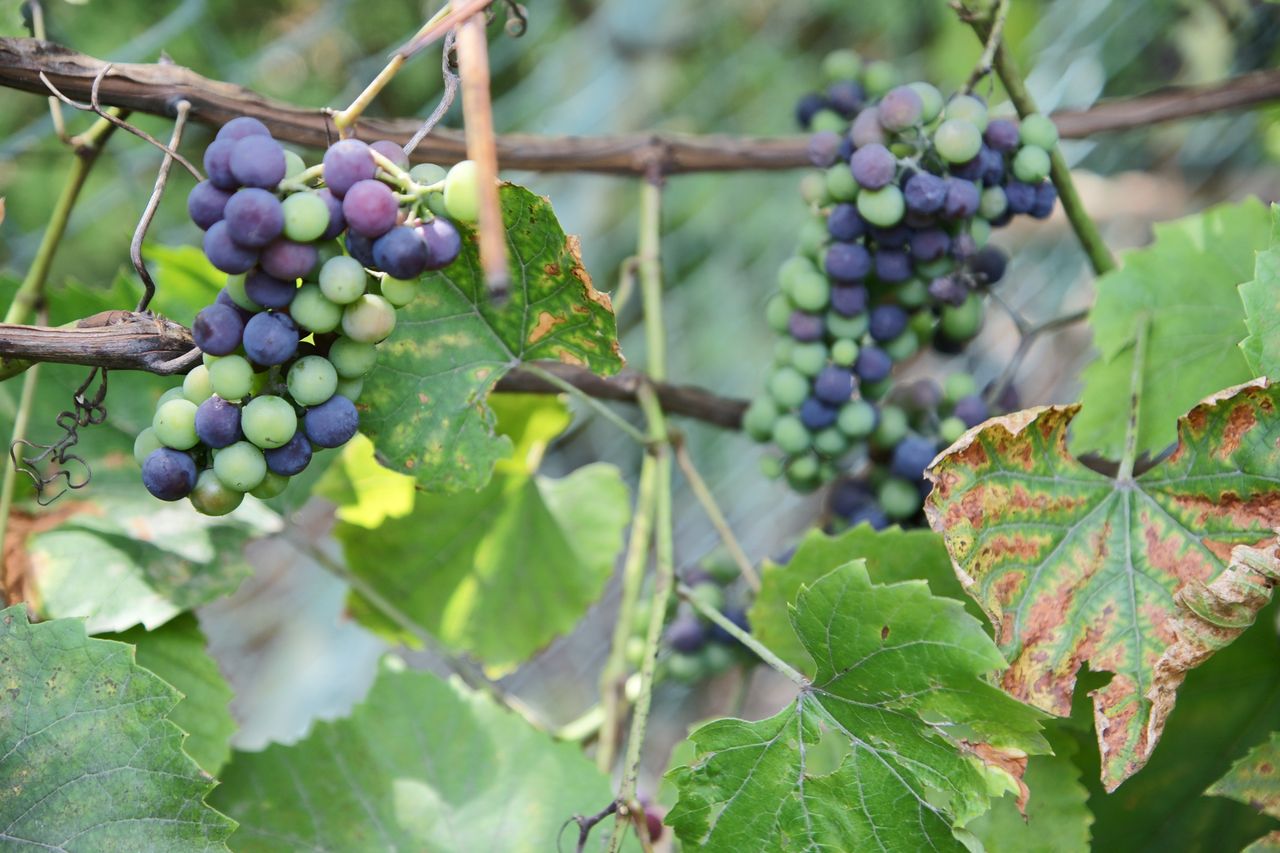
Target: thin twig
x,y
761,651
153,203
55,110
714,513
595,405
451,80
448,18
586,823
1028,334
983,68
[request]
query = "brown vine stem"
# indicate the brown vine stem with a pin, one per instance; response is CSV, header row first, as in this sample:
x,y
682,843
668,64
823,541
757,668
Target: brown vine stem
x,y
709,505
153,203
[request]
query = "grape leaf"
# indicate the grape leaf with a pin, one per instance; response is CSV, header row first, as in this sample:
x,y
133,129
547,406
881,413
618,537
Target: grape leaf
x,y
901,676
424,404
1255,781
1261,297
176,652
91,760
419,765
1184,286
1074,567
497,573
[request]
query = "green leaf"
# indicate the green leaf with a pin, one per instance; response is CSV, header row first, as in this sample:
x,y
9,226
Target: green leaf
x,y
419,765
424,404
176,652
1261,297
1255,781
90,759
1074,567
900,675
891,555
1185,284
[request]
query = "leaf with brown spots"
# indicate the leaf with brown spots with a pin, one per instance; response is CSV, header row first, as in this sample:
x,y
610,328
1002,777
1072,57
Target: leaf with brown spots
x,y
1073,567
1255,781
424,405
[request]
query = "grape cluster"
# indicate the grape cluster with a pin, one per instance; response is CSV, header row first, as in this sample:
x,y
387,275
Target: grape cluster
x,y
895,257
288,340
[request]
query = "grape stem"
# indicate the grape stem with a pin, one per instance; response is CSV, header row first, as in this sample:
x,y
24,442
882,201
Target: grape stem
x,y
153,203
595,405
714,513
55,110
993,39
303,180
759,649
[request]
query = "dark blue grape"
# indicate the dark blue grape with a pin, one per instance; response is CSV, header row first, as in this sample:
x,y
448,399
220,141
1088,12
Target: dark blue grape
x,y
346,163
332,423
205,204
963,246
400,253
736,615
963,198
892,265
1002,220
1008,401
254,217
925,193
337,222
224,298
912,455
291,458
1022,197
891,238
217,164
392,152
847,262
370,208
360,248
846,97
240,127
686,634
949,290
923,395
270,339
930,244
845,151
848,497
833,385
288,260
845,223
817,415
972,410
169,474
258,161
970,170
807,107
217,329
226,254
442,240
1002,135
992,162
873,166
887,322
869,514
849,300
988,264
1046,198
805,327
218,423
824,146
269,291
873,364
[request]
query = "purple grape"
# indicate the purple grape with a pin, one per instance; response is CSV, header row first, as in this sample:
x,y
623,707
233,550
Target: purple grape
x,y
360,248
226,254
288,260
845,151
254,217
972,410
400,253
737,616
970,170
169,474
240,127
887,322
205,204
846,98
337,222
1008,401
258,161
442,240
847,262
291,458
391,151
270,339
869,514
217,329
686,634
930,244
817,415
845,223
992,163
370,208
963,246
267,290
807,107
1002,135
900,108
849,496
923,395
924,193
948,289
345,163
1046,198
891,238
962,199
218,423
873,364
824,147
866,129
1022,197
849,300
217,164
332,423
224,298
833,385
806,328
912,455
892,265
873,166
988,265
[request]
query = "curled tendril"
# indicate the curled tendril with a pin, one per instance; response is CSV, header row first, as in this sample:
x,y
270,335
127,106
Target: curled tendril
x,y
53,460
517,19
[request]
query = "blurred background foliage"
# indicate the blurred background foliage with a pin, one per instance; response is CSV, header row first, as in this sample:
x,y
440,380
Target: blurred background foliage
x,y
615,66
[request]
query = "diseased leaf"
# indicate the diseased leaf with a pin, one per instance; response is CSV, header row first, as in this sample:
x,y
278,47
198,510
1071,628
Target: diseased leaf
x,y
1255,781
419,765
1261,297
1074,567
89,759
1185,284
900,676
424,404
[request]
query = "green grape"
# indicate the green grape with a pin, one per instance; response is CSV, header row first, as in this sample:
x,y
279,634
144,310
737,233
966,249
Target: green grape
x,y
813,236
272,484
933,269
687,669
877,390
840,183
211,497
435,204
634,651
922,323
830,442
828,120
208,360
709,594
951,429
259,382
930,101
175,424
899,499
967,108
398,291
913,293
314,311
721,566
426,174
462,191
240,466
802,473
771,467
351,388
782,350
992,203
325,252
717,658
171,394
980,231
891,429
827,471
312,380
813,189
788,387
883,207
957,140
235,289
758,419
342,280
196,386
879,77
268,421
369,319
809,358
840,326
231,377
790,434
963,322
903,346
777,312
1031,164
902,150
810,292
839,65
352,359
1038,130
293,164
145,443
305,217
857,419
958,385
844,352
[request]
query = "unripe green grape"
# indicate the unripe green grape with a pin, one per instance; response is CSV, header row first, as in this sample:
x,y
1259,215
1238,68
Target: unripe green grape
x,y
352,359
788,387
811,291
782,350
350,388
314,311
891,429
790,434
933,269
844,352
883,207
809,358
877,390
777,312
435,204
398,291
709,594
1031,164
145,443
803,472
957,140
325,252
175,393
840,65
828,120
687,669
903,346
272,484
369,319
261,379
293,164
930,101
912,293
211,497
879,77
957,386
830,442
758,419
235,289
231,377
902,150
950,430
196,385
771,467
342,280
634,651
840,183
963,322
813,236
792,270
1038,130
312,380
898,498
268,421
175,424
240,466
813,189
208,360
426,174
922,323
993,203
717,658
462,191
857,419
306,217
967,108
840,326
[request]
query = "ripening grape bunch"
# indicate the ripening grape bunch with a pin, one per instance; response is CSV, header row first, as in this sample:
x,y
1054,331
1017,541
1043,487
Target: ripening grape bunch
x,y
894,257
317,261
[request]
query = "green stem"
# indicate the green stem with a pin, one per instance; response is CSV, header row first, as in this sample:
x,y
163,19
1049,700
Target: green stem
x,y
649,270
709,505
994,34
761,651
1130,456
10,483
591,402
